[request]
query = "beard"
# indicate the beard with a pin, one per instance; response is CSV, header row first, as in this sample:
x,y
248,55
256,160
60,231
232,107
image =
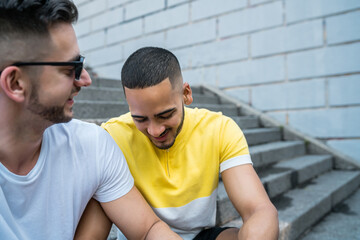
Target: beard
x,y
54,114
167,146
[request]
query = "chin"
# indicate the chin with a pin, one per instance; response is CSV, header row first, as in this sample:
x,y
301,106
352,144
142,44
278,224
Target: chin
x,y
165,145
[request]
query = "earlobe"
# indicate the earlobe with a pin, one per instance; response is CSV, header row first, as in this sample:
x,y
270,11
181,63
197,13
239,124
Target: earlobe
x,y
187,93
12,84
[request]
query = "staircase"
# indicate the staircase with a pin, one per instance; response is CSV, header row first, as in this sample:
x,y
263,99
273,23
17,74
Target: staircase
x,y
305,179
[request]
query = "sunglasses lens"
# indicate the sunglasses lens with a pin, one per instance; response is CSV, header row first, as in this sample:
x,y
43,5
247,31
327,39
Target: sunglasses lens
x,y
79,68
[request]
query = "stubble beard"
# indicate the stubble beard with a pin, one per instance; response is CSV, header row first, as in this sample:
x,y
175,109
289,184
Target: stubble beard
x,y
167,146
54,114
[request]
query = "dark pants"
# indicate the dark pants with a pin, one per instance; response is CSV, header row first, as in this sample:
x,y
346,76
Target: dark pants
x,y
210,233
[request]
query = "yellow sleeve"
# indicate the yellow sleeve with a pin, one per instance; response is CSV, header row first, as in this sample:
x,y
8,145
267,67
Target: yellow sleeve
x,y
233,145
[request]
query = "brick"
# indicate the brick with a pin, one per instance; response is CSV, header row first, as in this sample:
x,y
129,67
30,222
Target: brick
x,y
344,90
199,76
106,55
255,2
92,41
91,8
184,56
191,34
252,72
143,7
343,28
323,123
208,8
175,2
155,40
280,116
297,10
124,31
302,94
324,62
290,38
256,18
79,2
107,19
242,94
115,3
165,19
350,147
111,71
220,51
82,28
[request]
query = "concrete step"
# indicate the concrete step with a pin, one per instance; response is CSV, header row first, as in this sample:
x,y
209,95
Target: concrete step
x,y
246,122
103,82
99,109
203,99
262,135
197,90
288,174
342,223
269,153
101,94
302,207
278,179
228,110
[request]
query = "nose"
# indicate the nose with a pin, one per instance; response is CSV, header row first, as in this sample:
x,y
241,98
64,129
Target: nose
x,y
155,129
84,80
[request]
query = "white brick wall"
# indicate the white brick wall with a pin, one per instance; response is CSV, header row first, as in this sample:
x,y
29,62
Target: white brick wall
x,y
297,60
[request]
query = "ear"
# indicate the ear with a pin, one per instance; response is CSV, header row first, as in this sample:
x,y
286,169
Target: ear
x,y
12,84
187,94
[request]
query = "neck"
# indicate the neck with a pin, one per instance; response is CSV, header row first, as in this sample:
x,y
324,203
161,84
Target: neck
x,y
20,142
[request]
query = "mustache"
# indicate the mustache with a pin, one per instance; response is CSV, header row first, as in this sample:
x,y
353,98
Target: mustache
x,y
76,89
164,132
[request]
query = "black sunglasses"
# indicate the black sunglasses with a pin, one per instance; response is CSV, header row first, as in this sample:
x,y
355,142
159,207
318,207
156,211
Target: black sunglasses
x,y
78,65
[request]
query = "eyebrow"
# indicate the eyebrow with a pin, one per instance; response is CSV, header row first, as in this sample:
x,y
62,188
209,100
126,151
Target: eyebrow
x,y
164,112
156,115
75,58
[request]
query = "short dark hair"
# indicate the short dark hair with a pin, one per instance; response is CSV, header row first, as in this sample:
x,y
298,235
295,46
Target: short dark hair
x,y
22,21
149,66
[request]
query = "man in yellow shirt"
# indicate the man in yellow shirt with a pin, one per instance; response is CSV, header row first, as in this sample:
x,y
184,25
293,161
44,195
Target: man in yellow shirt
x,y
175,153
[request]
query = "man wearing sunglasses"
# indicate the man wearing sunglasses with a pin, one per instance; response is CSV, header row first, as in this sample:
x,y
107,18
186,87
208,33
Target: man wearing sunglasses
x,y
51,165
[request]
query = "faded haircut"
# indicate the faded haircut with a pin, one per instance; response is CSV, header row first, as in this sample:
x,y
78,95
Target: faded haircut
x,y
149,66
24,26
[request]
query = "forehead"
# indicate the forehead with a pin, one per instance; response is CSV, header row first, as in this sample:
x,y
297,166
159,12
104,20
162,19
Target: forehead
x,y
64,42
152,100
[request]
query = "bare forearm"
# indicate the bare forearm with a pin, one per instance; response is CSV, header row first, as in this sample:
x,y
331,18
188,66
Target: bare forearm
x,y
263,224
160,231
94,224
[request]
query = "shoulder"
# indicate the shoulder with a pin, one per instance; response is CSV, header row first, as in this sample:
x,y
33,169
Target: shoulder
x,y
75,126
205,116
124,120
122,128
78,131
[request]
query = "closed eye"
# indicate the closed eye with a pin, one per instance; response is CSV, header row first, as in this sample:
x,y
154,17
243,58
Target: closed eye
x,y
69,71
139,120
167,116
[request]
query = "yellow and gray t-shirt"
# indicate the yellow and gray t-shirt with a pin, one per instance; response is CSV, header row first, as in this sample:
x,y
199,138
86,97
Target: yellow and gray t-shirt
x,y
180,183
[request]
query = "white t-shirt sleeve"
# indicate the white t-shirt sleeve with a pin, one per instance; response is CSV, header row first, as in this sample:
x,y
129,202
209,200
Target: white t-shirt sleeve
x,y
115,179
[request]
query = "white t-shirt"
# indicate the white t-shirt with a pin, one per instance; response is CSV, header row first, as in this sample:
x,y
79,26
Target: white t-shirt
x,y
77,161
